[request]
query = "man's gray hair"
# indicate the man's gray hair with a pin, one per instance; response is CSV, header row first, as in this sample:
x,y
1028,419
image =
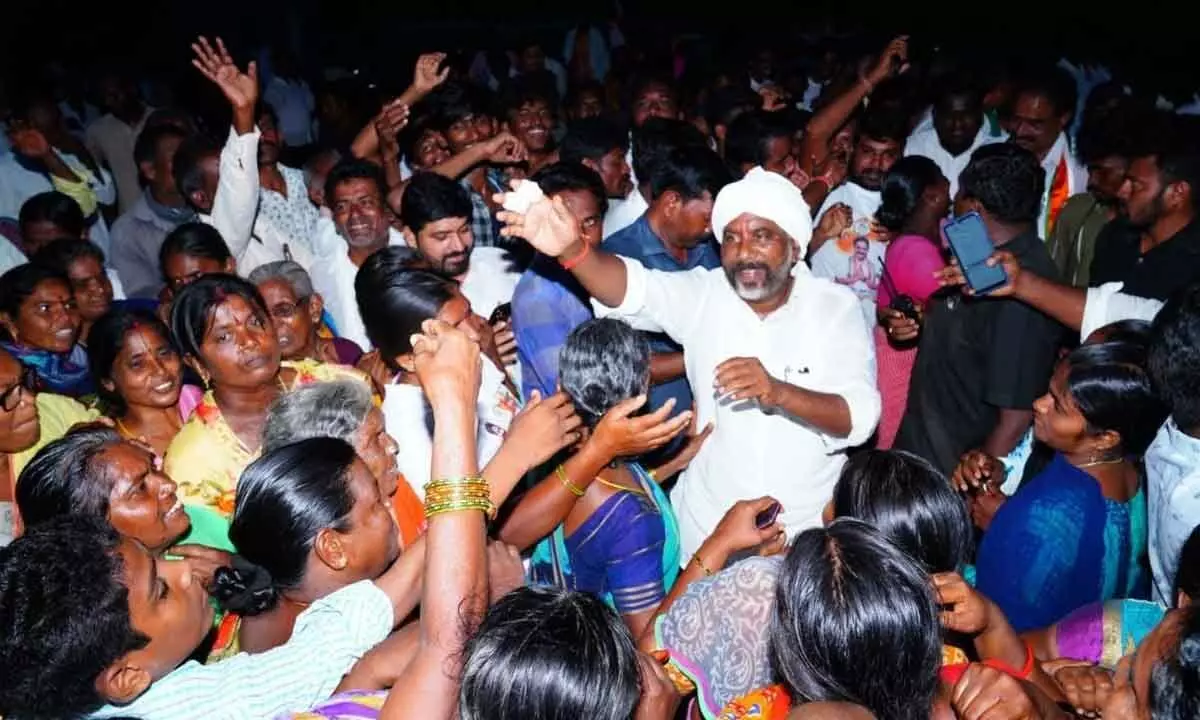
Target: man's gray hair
x,y
288,271
336,409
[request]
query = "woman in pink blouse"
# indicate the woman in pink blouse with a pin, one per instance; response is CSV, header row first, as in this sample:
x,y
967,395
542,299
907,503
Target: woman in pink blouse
x,y
914,200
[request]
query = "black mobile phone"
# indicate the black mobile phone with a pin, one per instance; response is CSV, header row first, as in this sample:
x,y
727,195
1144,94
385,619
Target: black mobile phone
x,y
969,241
502,313
904,305
766,518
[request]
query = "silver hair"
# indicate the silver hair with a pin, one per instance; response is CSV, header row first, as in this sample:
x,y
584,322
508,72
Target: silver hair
x,y
336,409
288,271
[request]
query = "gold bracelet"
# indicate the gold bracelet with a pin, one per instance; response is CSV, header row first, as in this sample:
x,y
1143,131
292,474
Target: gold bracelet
x,y
699,564
566,481
453,494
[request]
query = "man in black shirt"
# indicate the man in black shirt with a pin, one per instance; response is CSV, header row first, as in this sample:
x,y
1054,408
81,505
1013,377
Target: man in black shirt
x,y
1154,245
983,361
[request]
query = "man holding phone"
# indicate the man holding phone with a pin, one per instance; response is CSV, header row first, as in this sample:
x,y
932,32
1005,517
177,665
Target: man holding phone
x,y
983,360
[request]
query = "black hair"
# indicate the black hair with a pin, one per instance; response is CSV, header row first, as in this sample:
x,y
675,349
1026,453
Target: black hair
x,y
1174,149
748,137
903,187
655,139
394,299
855,621
60,254
194,239
265,109
61,479
959,84
603,363
578,89
194,305
447,105
146,145
1174,357
1117,133
883,125
1175,679
1187,577
591,139
53,207
1130,331
1053,83
410,136
1007,180
20,282
690,171
105,341
64,618
644,82
542,652
1110,385
911,503
430,197
187,167
525,89
284,498
560,176
728,104
354,169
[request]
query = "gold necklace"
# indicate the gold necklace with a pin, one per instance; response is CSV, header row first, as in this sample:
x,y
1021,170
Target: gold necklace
x,y
1095,463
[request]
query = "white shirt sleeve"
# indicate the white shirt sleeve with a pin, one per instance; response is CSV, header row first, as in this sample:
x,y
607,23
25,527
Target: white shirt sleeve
x,y
854,377
657,301
1107,304
236,203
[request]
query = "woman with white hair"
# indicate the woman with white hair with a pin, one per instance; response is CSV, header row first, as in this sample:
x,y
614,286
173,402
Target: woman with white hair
x,y
296,312
345,409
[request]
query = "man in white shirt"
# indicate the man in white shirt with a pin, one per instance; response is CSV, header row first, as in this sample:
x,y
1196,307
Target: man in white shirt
x,y
959,128
788,355
357,229
111,137
224,187
853,254
656,114
1041,114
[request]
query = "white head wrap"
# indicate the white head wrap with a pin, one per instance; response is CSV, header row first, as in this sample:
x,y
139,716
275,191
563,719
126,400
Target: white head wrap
x,y
767,195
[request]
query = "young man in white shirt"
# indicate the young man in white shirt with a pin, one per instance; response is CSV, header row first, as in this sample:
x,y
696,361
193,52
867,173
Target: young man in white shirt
x,y
959,128
788,356
840,257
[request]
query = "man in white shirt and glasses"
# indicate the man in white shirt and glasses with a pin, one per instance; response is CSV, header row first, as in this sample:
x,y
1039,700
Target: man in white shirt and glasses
x,y
787,356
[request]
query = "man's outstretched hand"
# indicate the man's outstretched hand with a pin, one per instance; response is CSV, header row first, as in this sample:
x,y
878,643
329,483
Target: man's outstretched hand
x,y
240,88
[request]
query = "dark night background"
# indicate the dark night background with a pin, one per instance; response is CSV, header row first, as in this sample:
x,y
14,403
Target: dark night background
x,y
1137,39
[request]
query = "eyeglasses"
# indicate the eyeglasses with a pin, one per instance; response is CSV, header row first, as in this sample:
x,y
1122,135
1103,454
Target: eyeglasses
x,y
287,311
28,381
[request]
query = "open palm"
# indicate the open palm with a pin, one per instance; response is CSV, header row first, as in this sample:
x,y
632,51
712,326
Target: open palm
x,y
240,88
547,225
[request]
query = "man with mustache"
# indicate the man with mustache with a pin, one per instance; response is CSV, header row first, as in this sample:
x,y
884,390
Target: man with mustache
x,y
880,140
283,193
1154,245
436,213
1041,114
781,362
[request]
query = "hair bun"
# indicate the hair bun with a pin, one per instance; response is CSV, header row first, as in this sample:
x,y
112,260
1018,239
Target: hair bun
x,y
244,589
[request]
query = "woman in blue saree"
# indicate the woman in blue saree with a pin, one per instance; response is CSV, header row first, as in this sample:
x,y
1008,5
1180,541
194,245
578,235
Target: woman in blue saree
x,y
620,541
1076,533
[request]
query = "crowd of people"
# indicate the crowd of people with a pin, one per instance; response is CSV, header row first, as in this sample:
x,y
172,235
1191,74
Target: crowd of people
x,y
579,387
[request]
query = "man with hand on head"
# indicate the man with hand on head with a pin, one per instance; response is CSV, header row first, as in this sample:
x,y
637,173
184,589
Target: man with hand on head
x,y
781,361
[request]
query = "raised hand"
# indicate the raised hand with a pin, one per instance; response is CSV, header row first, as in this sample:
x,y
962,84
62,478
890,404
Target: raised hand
x,y
505,149
547,225
426,75
892,61
216,64
390,121
447,363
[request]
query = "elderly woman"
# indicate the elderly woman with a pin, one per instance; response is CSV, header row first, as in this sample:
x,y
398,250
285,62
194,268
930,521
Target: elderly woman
x,y
296,311
345,409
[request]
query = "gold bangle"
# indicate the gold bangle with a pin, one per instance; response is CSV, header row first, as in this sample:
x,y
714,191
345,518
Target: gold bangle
x,y
566,481
471,492
699,564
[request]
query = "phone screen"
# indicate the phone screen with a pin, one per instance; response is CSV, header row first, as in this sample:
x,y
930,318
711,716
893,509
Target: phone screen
x,y
767,517
969,241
